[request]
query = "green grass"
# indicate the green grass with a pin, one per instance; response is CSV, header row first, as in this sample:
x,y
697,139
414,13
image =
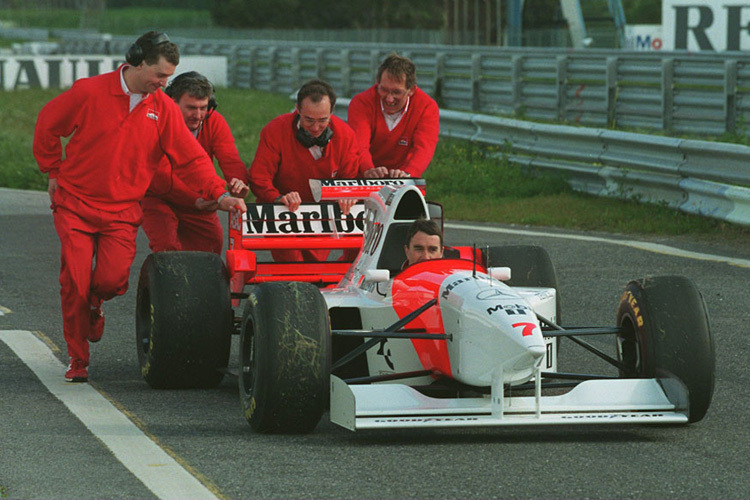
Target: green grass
x,y
472,182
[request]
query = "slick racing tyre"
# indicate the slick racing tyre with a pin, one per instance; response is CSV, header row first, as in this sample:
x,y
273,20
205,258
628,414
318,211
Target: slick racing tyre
x,y
530,265
666,334
285,346
183,320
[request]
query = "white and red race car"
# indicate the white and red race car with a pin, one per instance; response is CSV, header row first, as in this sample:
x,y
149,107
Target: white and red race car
x,y
467,340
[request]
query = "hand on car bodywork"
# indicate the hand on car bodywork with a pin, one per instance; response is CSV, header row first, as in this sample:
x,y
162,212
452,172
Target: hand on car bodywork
x,y
292,200
232,204
346,205
385,172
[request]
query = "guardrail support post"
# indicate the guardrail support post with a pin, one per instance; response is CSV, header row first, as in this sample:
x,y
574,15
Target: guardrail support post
x,y
562,87
730,95
252,65
516,75
320,63
476,79
296,70
667,93
612,63
273,84
232,64
346,73
437,92
374,63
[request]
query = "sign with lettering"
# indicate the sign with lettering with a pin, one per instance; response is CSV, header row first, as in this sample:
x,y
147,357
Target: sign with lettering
x,y
706,25
644,37
24,72
309,219
337,189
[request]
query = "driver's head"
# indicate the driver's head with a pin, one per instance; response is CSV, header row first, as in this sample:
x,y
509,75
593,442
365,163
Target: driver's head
x,y
424,241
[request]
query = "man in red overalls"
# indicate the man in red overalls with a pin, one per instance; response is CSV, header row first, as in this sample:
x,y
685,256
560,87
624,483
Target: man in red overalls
x,y
308,143
120,125
176,217
396,123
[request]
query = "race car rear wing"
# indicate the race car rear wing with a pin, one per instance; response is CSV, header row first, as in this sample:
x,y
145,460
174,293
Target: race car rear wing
x,y
339,189
313,226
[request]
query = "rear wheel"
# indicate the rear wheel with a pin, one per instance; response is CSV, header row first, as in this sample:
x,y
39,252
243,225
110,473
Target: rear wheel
x,y
666,333
285,348
183,320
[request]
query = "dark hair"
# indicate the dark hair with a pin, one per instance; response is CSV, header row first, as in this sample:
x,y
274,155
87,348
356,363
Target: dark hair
x,y
399,67
316,90
191,83
426,226
154,45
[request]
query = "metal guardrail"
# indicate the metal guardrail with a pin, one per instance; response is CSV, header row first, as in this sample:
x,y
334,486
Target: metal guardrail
x,y
670,91
700,177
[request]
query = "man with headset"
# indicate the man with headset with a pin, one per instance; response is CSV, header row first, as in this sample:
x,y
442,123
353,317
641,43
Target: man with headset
x,y
308,143
396,123
176,217
120,126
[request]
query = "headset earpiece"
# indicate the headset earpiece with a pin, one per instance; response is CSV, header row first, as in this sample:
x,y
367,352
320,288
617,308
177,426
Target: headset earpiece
x,y
212,105
136,52
307,140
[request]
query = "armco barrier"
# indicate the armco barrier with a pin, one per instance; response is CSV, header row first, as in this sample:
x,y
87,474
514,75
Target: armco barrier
x,y
677,92
671,91
689,175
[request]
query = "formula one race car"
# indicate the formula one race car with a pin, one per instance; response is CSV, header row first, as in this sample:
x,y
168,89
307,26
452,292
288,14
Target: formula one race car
x,y
467,340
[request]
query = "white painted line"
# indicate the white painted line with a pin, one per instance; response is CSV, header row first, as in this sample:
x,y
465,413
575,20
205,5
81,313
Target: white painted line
x,y
640,245
156,469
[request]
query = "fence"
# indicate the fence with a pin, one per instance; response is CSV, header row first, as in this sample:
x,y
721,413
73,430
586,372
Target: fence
x,y
700,177
675,92
703,94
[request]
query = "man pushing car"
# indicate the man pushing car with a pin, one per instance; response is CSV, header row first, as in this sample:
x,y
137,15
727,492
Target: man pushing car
x,y
120,125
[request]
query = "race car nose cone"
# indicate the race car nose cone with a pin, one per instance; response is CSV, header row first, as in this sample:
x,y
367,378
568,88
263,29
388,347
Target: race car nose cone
x,y
537,351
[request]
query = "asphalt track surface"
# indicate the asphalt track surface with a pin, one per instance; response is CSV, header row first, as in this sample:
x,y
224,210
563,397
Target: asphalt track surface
x,y
196,443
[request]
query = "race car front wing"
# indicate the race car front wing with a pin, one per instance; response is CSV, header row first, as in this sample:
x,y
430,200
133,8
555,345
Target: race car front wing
x,y
616,401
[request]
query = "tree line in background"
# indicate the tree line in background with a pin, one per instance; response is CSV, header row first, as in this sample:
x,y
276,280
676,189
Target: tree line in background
x,y
328,14
352,14
409,14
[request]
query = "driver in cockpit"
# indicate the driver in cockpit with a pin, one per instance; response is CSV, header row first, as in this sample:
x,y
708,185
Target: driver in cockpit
x,y
424,241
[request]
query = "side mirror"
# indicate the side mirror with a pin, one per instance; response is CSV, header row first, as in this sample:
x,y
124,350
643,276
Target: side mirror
x,y
500,273
377,275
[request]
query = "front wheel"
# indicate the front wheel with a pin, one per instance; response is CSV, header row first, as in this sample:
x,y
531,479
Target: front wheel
x,y
285,347
666,333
